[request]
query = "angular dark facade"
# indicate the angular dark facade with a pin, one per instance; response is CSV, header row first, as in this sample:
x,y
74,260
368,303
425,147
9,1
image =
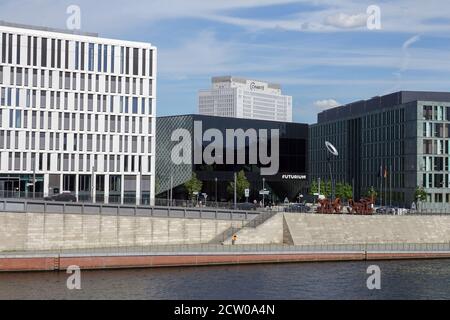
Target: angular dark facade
x,y
290,181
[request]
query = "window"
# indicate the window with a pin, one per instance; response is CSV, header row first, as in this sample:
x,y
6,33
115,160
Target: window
x,y
18,118
135,105
18,50
113,49
135,61
82,55
44,52
91,57
59,54
151,64
53,57
144,61
77,49
4,48
122,59
428,112
99,52
127,61
67,53
105,59
10,48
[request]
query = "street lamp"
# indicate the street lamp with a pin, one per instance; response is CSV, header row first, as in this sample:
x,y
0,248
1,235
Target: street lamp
x,y
264,189
216,192
332,152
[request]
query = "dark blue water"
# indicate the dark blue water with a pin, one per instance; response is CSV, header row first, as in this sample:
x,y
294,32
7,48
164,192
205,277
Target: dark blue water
x,y
399,280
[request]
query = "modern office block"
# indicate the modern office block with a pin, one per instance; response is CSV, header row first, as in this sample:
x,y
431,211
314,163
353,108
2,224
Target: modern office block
x,y
394,143
77,114
245,98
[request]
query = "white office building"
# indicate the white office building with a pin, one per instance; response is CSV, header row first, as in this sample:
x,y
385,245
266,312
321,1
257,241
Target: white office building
x,y
77,114
245,98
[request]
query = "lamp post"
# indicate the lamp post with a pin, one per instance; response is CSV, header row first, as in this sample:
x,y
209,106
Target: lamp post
x,y
34,181
333,152
264,189
235,191
216,192
171,187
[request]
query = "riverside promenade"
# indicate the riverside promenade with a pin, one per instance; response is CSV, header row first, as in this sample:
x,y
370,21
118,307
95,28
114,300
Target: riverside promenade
x,y
37,236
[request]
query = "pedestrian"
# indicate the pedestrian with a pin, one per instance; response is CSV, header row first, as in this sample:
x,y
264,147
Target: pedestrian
x,y
233,240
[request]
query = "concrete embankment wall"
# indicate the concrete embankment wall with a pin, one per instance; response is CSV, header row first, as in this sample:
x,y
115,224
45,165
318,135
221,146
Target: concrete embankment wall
x,y
346,229
270,232
309,229
37,231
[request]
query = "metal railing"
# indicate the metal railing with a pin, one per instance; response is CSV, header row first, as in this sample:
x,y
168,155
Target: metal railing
x,y
39,206
187,249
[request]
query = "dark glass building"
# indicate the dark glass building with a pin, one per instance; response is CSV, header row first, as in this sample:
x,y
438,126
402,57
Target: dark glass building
x,y
393,143
289,181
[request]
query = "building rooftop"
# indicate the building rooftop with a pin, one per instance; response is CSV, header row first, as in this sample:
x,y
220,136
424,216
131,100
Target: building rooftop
x,y
231,119
47,29
243,81
355,109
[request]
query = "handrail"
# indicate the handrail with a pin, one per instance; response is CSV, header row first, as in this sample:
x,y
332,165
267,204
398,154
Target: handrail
x,y
183,249
52,207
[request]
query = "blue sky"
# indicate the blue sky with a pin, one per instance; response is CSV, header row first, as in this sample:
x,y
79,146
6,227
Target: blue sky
x,y
320,51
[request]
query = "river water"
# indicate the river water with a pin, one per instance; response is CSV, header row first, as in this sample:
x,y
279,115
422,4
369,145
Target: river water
x,y
344,280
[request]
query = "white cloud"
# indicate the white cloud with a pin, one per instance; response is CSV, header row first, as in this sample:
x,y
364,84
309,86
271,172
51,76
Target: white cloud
x,y
346,21
198,56
326,104
409,16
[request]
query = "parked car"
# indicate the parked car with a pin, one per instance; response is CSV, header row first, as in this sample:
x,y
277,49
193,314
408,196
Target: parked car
x,y
298,207
387,210
62,197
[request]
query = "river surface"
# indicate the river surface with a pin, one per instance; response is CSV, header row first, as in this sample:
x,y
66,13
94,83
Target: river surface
x,y
344,280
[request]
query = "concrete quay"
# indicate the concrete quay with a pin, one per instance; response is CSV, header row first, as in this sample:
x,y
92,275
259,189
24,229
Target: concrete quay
x,y
46,242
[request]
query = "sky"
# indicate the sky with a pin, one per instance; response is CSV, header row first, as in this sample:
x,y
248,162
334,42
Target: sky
x,y
320,51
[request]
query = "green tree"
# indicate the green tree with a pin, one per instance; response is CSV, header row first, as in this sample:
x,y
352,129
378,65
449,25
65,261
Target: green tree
x,y
420,195
193,185
241,184
344,191
372,193
325,188
314,188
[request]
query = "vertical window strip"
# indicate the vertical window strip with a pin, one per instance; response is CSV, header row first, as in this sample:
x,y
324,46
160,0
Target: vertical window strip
x,y
99,54
105,58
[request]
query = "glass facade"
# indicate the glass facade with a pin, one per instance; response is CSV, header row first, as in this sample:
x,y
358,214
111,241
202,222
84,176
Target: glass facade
x,y
290,181
394,143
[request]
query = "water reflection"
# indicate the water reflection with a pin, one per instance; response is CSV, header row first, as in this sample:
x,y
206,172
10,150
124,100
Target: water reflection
x,y
400,280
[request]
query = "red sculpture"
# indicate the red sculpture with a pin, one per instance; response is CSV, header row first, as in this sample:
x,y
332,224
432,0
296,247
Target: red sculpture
x,y
363,207
328,207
